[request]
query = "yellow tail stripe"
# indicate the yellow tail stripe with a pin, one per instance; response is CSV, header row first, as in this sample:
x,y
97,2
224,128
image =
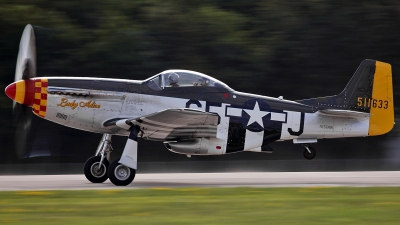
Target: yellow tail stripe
x,y
382,109
20,92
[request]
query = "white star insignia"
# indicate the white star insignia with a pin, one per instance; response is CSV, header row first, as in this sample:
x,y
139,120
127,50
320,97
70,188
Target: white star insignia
x,y
256,115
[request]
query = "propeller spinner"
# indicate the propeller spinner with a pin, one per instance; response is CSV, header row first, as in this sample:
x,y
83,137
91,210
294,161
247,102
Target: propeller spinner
x,y
21,91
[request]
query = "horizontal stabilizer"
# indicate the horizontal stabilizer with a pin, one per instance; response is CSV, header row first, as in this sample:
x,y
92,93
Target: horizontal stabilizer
x,y
343,113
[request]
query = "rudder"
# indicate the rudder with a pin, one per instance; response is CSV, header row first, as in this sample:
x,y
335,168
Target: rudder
x,y
381,103
371,90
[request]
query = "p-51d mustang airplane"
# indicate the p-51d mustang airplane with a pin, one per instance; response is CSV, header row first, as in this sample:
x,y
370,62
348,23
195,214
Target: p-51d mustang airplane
x,y
195,114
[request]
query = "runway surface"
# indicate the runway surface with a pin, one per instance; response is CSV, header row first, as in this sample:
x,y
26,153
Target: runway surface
x,y
172,180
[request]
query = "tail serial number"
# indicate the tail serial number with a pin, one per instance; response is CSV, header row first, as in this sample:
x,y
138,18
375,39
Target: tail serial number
x,y
370,102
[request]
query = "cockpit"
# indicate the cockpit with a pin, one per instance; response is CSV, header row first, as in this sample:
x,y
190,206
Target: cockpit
x,y
184,79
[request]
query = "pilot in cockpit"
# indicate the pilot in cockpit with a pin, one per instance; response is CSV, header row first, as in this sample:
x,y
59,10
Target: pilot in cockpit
x,y
173,79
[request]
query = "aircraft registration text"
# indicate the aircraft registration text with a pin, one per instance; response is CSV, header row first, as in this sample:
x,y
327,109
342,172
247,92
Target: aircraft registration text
x,y
374,103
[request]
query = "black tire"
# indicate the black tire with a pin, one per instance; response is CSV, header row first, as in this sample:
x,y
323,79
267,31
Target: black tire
x,y
91,169
119,174
309,155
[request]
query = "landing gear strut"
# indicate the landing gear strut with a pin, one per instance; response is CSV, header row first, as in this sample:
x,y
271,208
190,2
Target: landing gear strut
x,y
122,171
96,167
309,152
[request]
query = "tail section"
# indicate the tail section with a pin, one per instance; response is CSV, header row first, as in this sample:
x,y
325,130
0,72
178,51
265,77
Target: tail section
x,y
370,91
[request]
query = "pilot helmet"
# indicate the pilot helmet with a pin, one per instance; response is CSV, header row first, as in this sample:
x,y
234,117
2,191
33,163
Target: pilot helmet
x,y
173,78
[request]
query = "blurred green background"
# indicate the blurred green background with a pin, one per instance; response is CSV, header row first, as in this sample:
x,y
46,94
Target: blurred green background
x,y
298,49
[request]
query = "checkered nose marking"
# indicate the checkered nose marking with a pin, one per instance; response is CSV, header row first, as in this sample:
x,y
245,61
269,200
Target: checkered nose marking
x,y
40,97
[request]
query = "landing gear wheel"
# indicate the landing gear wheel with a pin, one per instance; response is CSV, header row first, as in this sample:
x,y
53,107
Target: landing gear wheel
x,y
309,155
93,172
119,174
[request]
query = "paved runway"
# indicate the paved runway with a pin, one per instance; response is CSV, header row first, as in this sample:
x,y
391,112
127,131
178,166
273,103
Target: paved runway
x,y
171,180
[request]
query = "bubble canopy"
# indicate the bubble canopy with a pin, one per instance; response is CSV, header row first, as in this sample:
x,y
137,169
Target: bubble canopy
x,y
184,79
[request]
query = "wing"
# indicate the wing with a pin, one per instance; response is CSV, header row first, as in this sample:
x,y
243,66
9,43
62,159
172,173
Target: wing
x,y
175,124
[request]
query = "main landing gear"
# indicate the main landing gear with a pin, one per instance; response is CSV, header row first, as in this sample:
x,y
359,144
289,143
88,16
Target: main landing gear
x,y
309,152
119,174
95,171
98,169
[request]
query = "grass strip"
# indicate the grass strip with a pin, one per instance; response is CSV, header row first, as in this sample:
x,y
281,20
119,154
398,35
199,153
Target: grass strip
x,y
312,205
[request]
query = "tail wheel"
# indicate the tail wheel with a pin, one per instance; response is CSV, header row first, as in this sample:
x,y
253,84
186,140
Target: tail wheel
x,y
95,173
119,174
309,152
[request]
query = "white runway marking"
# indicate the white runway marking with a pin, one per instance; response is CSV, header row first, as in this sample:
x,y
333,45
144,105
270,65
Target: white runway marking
x,y
172,180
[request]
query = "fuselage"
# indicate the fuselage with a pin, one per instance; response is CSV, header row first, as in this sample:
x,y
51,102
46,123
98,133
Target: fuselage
x,y
247,121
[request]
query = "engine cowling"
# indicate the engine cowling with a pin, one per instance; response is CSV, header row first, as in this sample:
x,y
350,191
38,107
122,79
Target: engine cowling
x,y
197,146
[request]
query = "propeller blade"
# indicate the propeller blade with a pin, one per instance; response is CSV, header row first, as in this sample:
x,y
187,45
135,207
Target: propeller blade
x,y
22,117
26,60
25,69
